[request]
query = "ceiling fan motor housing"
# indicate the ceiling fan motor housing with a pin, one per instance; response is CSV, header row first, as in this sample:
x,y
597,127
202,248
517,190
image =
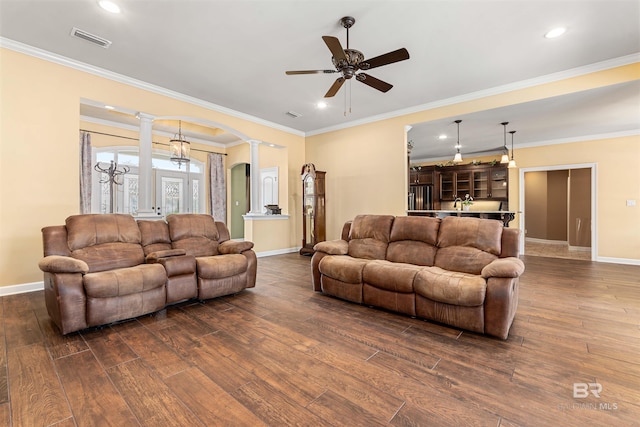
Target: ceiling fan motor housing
x,y
349,67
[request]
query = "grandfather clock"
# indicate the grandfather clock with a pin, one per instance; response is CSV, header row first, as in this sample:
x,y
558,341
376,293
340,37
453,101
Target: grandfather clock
x,y
314,228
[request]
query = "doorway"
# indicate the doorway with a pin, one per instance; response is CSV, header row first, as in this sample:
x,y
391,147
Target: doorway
x,y
558,217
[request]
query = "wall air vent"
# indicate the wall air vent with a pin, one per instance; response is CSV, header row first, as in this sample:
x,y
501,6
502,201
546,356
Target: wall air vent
x,y
293,114
84,35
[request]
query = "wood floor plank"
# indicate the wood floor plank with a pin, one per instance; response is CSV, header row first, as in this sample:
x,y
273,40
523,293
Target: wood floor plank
x,y
108,347
274,408
91,394
156,354
37,397
149,398
209,402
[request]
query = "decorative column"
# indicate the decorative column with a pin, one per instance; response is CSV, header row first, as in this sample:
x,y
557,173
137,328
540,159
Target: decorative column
x,y
145,209
255,177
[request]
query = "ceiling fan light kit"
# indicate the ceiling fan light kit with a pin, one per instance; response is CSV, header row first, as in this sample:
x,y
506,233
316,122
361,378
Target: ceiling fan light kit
x,y
351,62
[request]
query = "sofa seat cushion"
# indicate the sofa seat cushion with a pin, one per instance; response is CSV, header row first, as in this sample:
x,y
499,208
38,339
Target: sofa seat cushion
x,y
343,268
124,281
450,287
220,266
391,276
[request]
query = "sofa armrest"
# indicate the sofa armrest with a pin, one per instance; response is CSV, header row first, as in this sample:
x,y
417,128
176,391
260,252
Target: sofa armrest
x,y
62,264
333,247
509,267
154,257
234,247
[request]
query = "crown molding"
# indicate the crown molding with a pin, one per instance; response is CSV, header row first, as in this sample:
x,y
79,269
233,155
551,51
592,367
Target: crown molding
x,y
498,90
120,78
584,138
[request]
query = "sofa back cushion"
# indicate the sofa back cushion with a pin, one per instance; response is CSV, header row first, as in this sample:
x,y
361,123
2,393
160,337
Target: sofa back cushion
x,y
413,240
197,234
105,241
369,236
155,236
468,244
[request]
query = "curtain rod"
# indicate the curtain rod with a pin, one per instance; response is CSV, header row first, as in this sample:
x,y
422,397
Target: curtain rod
x,y
153,142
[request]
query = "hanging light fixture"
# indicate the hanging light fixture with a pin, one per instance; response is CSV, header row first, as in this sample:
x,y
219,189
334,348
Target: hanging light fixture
x,y
512,162
505,150
458,157
180,148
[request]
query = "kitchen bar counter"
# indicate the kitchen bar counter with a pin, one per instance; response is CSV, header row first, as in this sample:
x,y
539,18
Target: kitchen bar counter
x,y
505,216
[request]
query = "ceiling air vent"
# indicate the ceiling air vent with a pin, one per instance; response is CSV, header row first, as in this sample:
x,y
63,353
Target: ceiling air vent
x,y
82,34
293,114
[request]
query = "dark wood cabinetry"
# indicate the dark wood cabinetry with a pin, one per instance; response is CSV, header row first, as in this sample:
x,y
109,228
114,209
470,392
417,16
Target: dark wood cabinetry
x,y
446,183
313,210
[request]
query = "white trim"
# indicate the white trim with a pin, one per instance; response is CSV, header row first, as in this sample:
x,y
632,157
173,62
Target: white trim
x,y
120,78
594,200
618,260
277,252
264,217
546,241
498,90
21,289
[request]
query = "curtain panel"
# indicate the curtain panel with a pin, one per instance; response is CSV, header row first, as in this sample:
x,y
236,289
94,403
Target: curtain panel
x,y
85,172
217,187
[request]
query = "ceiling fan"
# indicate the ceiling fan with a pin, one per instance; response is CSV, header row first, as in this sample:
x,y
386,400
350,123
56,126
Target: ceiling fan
x,y
349,61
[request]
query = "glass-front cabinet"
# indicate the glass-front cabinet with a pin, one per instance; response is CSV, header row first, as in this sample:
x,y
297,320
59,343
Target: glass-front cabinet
x,y
482,182
313,208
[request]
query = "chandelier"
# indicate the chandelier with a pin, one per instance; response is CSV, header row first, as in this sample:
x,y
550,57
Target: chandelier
x,y
179,148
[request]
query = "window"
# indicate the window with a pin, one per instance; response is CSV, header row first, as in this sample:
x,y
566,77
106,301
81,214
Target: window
x,y
175,190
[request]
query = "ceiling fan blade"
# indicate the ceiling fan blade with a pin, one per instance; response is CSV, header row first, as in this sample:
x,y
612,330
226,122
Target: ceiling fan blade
x,y
335,47
335,87
387,58
382,86
291,73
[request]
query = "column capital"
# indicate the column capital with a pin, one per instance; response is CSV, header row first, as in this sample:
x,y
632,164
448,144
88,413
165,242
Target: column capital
x,y
254,141
144,116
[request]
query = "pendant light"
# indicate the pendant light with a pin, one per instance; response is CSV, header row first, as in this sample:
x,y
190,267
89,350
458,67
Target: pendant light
x,y
512,162
505,150
458,157
179,148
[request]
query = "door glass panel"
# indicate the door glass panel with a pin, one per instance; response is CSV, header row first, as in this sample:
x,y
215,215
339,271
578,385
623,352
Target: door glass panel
x,y
172,191
480,185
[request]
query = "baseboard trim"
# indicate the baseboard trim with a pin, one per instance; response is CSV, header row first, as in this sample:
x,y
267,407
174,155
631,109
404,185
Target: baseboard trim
x,y
545,241
277,252
611,260
21,289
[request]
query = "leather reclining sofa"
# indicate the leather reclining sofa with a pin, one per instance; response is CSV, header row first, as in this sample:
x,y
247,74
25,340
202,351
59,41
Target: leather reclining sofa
x,y
459,271
103,268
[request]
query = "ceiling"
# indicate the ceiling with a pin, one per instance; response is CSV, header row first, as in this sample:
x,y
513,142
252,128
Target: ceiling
x,y
234,54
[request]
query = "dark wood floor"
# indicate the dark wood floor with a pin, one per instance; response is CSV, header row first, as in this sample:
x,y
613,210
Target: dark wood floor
x,y
281,354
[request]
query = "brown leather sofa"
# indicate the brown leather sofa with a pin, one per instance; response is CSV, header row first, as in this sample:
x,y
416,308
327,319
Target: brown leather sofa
x,y
458,271
102,268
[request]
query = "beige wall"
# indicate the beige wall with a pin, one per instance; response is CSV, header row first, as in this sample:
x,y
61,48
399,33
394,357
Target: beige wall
x,y
366,165
39,170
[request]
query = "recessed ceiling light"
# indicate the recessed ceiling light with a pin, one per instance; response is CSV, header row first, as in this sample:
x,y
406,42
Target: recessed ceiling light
x,y
109,6
556,32
442,136
321,105
109,107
